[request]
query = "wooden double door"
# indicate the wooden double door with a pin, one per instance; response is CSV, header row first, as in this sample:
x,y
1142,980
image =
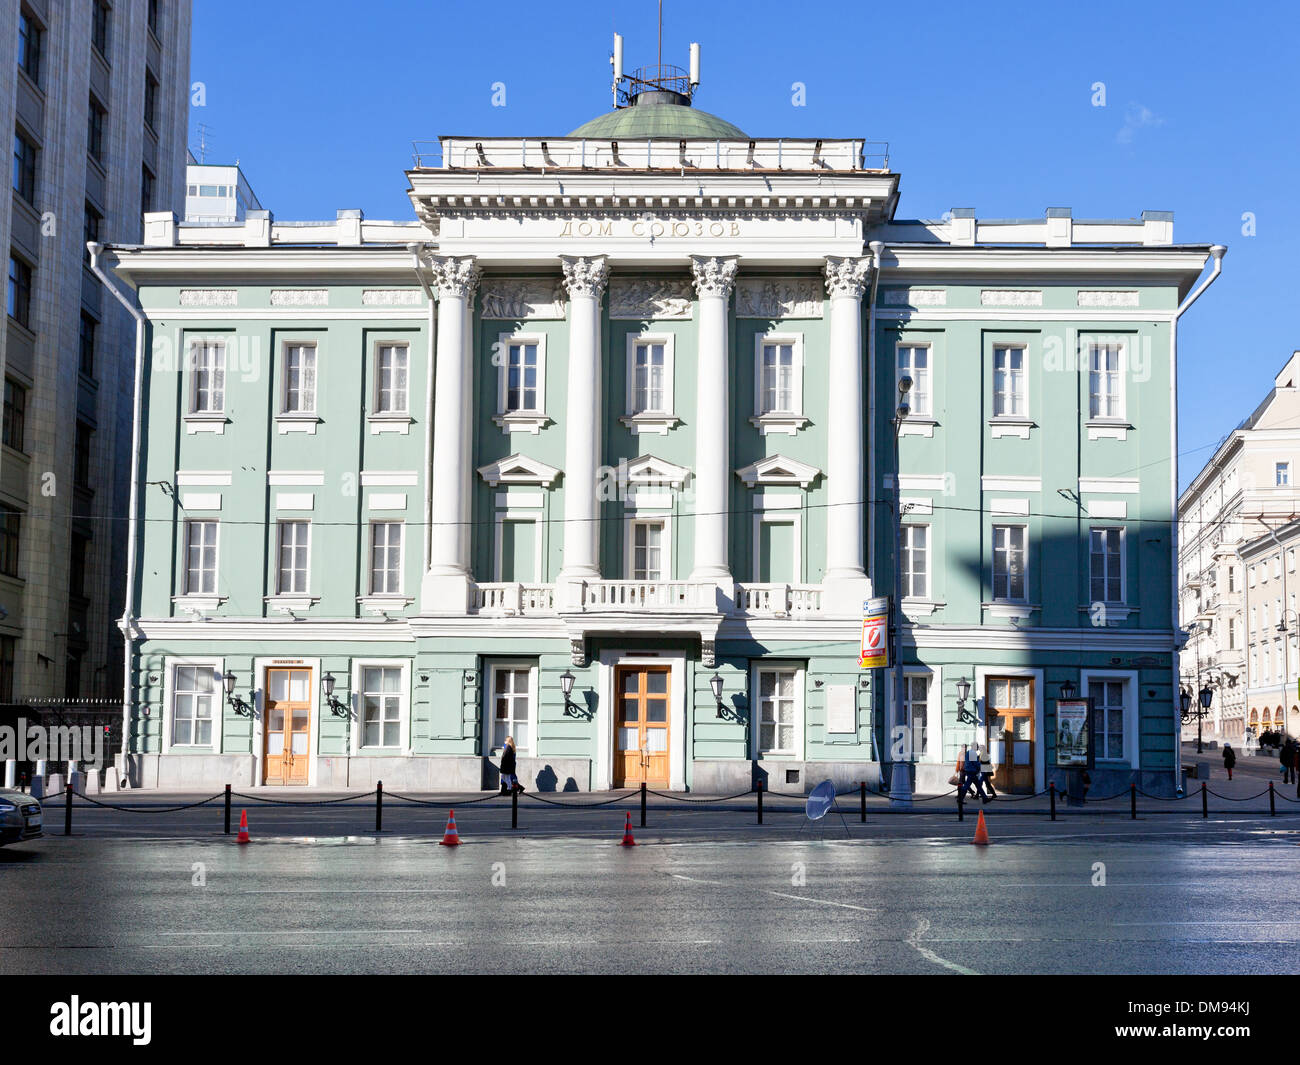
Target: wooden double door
x,y
1012,742
641,729
287,726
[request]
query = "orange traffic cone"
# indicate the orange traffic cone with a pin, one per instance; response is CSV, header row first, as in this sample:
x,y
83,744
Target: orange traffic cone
x,y
243,827
451,838
981,832
628,841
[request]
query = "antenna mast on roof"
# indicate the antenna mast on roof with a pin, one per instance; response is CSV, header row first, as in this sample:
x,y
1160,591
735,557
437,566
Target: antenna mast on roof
x,y
661,33
205,133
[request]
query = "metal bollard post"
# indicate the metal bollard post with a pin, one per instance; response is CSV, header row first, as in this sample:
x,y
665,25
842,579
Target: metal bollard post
x,y
1052,790
1205,802
67,809
758,787
1272,801
514,807
1133,801
379,806
643,788
961,809
862,801
227,808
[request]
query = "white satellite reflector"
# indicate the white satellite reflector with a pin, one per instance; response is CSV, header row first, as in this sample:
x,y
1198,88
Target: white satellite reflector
x,y
820,800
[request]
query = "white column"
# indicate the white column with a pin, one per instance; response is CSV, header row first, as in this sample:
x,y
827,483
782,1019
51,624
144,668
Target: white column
x,y
446,585
845,578
585,280
714,280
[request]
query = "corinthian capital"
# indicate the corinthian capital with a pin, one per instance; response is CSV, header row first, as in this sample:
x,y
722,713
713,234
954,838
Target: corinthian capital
x,y
585,277
847,276
454,277
714,276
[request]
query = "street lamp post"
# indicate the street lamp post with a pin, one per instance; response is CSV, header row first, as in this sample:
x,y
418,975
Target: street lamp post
x,y
1206,696
900,780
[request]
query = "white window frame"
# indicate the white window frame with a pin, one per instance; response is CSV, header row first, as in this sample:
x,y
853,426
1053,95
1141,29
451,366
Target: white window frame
x,y
933,677
993,556
280,590
1023,392
1123,563
303,348
358,705
380,410
778,517
401,559
186,589
902,345
1131,755
212,417
531,420
491,665
786,422
1282,475
532,517
906,551
1091,345
799,669
170,665
644,517
651,421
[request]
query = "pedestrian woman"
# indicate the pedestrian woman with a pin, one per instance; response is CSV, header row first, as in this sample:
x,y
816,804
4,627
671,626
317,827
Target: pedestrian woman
x,y
972,773
1229,758
509,778
986,772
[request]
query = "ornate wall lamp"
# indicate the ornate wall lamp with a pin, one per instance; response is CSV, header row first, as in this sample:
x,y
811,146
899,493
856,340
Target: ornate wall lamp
x,y
242,708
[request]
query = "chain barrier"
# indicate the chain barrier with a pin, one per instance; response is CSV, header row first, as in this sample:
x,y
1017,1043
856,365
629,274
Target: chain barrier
x,y
716,798
142,809
445,802
606,802
1228,798
267,800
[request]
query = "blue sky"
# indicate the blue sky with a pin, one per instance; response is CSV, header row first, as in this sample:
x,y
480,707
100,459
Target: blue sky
x,y
991,110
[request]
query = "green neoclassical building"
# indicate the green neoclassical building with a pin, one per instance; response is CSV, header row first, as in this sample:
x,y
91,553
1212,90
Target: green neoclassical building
x,y
601,451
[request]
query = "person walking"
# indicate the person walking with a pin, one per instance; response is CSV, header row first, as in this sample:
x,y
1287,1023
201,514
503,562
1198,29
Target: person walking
x,y
1288,755
509,777
972,773
1229,758
986,772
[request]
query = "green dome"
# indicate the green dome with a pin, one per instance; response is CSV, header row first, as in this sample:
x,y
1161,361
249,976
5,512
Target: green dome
x,y
658,120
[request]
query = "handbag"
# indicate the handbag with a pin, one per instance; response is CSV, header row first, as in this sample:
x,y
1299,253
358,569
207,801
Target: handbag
x,y
956,775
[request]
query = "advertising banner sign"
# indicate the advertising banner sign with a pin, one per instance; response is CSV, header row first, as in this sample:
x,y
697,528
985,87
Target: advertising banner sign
x,y
875,634
1073,732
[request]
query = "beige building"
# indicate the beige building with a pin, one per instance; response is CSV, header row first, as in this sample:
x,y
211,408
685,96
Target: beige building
x,y
1237,556
95,99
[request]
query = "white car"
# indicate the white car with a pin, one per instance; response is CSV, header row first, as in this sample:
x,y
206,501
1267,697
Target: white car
x,y
20,817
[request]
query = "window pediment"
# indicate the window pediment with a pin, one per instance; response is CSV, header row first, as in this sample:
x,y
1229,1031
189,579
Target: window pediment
x,y
650,470
778,469
518,469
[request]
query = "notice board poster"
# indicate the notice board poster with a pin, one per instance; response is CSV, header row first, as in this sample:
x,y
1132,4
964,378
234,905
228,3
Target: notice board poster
x,y
1073,732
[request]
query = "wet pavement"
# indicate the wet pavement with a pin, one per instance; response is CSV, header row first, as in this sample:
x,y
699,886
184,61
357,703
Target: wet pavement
x,y
699,894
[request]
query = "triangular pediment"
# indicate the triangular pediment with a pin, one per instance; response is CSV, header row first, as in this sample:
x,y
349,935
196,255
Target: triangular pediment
x,y
518,469
649,469
778,469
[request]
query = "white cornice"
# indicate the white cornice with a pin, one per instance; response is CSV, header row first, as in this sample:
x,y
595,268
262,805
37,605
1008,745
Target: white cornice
x,y
1115,263
390,262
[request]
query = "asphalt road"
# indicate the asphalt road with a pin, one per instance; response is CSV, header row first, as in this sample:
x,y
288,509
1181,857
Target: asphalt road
x,y
910,895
